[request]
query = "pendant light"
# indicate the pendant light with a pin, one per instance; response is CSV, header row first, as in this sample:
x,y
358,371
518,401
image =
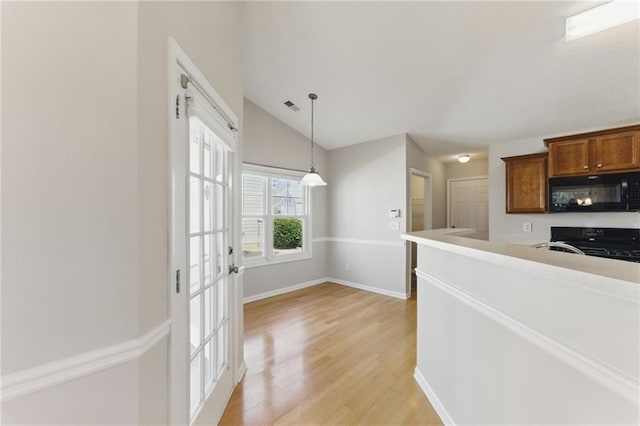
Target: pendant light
x,y
312,178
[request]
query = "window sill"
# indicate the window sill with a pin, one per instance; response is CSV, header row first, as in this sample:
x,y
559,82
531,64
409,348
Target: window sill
x,y
249,264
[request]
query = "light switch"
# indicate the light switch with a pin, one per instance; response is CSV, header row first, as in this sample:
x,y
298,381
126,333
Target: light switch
x,y
394,225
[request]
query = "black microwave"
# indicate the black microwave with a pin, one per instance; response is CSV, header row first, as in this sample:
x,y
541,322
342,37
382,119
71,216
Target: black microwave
x,y
616,192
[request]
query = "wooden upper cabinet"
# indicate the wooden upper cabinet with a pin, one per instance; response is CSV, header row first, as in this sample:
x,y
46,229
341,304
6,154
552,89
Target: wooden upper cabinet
x,y
569,158
526,183
605,151
619,151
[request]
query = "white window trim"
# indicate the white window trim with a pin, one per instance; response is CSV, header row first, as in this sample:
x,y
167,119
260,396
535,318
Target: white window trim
x,y
307,235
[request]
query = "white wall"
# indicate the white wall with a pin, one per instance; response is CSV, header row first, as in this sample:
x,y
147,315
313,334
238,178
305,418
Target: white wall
x,y
85,192
270,142
506,341
508,227
365,181
475,167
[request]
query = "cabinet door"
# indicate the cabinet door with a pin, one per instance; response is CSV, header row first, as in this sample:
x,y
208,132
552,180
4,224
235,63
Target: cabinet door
x,y
569,158
619,151
526,184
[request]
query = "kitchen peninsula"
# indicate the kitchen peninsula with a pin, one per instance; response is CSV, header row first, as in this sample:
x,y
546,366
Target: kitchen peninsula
x,y
508,334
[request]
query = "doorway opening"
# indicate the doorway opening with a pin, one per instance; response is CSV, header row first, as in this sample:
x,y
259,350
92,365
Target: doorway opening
x,y
420,217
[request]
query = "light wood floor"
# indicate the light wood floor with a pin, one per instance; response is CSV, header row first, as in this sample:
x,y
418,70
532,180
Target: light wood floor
x,y
330,355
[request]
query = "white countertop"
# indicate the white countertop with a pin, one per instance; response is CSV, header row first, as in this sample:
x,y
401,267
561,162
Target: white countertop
x,y
553,263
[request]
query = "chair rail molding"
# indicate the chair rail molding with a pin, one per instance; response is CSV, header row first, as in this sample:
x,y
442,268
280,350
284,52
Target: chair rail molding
x,y
27,381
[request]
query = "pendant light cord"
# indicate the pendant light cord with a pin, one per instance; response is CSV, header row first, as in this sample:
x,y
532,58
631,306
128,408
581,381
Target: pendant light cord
x,y
312,165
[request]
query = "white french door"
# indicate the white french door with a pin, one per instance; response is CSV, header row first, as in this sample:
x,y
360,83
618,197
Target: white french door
x,y
203,170
207,275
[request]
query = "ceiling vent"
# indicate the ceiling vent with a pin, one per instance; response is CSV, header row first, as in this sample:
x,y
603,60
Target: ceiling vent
x,y
291,106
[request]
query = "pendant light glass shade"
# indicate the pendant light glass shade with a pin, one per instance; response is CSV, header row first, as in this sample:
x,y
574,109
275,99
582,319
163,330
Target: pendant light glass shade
x,y
312,178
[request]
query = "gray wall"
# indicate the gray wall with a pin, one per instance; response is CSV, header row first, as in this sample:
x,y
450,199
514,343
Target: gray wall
x,y
69,200
366,180
508,227
270,142
85,191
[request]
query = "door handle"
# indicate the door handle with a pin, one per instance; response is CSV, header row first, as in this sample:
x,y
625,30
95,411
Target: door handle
x,y
233,269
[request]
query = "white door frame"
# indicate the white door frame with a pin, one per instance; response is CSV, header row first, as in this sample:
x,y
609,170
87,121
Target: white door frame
x,y
449,192
178,397
428,201
428,198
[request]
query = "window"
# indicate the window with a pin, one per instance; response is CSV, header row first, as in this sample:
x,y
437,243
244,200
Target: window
x,y
275,216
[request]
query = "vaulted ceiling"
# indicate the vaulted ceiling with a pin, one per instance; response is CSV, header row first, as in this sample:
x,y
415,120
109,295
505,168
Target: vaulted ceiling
x,y
456,76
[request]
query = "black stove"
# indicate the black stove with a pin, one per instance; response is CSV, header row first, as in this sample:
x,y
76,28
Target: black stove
x,y
612,243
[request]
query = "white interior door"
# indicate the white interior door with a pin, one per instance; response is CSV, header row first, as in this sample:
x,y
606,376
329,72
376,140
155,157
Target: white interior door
x,y
469,205
203,169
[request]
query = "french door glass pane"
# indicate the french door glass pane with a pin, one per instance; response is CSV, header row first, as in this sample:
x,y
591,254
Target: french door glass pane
x,y
207,154
219,253
220,295
208,366
220,163
207,260
194,263
194,333
194,151
220,207
221,358
208,202
194,205
195,394
209,304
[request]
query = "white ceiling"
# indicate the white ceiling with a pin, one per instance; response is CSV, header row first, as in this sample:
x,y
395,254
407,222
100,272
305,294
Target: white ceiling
x,y
456,76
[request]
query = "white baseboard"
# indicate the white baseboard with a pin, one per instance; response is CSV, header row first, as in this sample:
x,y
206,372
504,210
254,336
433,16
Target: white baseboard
x,y
283,290
433,398
240,372
256,297
396,294
24,382
361,241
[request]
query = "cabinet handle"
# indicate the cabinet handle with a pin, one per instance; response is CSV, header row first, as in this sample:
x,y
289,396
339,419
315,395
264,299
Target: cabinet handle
x,y
585,167
600,165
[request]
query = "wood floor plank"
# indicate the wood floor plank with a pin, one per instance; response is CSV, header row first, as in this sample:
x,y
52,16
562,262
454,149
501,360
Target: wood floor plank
x,y
329,355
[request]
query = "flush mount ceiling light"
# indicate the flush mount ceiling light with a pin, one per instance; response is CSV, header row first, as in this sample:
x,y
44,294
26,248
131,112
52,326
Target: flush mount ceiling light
x,y
463,158
600,18
312,178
